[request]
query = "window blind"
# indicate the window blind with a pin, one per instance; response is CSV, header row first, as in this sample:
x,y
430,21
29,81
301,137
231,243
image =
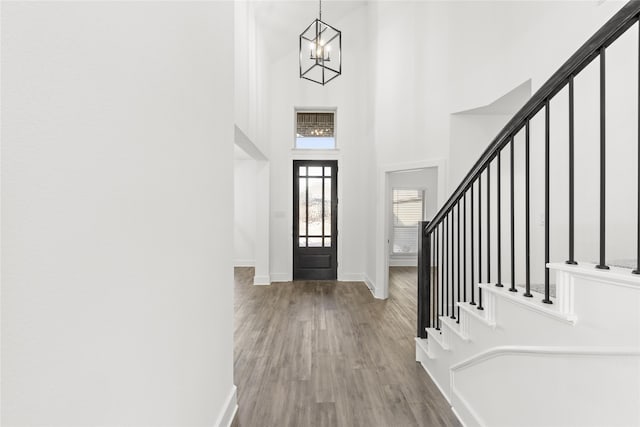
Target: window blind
x,y
408,208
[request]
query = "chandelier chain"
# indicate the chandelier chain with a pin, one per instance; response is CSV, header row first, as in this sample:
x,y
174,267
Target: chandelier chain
x,y
320,1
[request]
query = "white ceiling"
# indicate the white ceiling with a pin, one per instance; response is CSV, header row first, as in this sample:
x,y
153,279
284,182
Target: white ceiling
x,y
282,22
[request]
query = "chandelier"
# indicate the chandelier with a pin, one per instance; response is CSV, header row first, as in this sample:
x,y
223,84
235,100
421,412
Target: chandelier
x,y
320,51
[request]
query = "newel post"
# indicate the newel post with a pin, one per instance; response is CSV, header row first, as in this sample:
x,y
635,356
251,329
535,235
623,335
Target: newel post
x,y
424,279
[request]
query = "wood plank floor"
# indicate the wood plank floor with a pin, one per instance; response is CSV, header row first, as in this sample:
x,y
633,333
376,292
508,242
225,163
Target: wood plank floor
x,y
327,353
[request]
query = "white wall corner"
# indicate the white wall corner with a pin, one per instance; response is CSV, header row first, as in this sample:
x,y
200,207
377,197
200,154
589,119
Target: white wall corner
x,y
371,285
379,294
228,412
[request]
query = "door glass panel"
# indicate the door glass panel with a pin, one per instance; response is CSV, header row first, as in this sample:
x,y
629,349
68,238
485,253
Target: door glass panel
x,y
315,207
327,242
315,170
315,242
327,171
302,242
302,208
302,171
327,206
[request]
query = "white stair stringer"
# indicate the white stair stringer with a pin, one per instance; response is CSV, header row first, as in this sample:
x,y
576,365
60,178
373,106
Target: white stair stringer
x,y
593,318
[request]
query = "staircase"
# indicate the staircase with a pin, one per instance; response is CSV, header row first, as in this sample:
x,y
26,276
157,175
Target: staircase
x,y
520,362
503,350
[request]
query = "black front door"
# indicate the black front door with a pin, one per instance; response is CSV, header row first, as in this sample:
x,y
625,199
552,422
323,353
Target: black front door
x,y
315,219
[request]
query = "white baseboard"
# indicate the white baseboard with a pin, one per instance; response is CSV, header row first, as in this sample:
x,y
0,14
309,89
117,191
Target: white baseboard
x,y
281,277
261,280
372,287
370,284
351,277
228,410
403,262
244,263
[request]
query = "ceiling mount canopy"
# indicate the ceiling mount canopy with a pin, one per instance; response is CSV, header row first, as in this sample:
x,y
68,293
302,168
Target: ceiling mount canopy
x,y
320,51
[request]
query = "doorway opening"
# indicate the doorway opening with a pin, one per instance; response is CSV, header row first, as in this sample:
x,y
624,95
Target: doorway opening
x,y
434,187
315,220
412,198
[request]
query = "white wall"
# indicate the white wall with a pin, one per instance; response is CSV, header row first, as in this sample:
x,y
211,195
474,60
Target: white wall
x,y
251,97
117,304
409,113
470,135
251,75
349,94
244,217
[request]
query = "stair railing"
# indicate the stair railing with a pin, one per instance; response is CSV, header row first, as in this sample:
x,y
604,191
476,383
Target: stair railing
x,y
442,273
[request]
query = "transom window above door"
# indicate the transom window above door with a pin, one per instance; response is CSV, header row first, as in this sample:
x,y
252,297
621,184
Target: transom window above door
x,y
315,130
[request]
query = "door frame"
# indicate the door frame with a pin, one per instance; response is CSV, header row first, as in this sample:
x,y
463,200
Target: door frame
x,y
313,155
383,215
308,250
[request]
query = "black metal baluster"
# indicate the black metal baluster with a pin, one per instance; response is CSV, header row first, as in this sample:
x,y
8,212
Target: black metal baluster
x,y
464,247
602,265
440,273
480,228
453,286
479,241
499,225
488,223
471,245
434,285
446,230
441,265
458,234
438,281
527,290
637,270
513,217
547,299
571,259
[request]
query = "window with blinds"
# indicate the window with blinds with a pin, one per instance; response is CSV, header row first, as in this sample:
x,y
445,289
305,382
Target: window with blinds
x,y
408,211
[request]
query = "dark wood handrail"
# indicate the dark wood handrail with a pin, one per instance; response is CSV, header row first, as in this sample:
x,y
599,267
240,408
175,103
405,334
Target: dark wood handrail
x,y
618,24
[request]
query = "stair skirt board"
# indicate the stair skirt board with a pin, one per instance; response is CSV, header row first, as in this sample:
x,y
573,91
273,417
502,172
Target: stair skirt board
x,y
425,354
